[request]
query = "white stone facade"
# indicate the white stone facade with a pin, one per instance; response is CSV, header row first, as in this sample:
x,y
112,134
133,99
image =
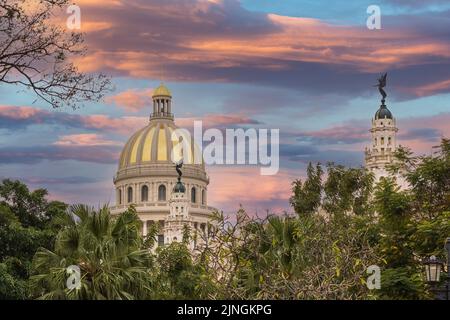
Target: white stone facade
x,y
380,154
384,144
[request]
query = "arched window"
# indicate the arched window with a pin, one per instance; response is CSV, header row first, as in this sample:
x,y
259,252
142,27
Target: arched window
x,y
203,197
119,196
382,140
193,195
162,193
130,194
144,194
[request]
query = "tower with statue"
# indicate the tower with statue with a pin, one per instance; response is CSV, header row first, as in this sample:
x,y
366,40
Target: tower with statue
x,y
381,153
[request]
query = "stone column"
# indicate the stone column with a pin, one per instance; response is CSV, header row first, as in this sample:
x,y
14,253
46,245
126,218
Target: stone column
x,y
136,193
144,227
152,193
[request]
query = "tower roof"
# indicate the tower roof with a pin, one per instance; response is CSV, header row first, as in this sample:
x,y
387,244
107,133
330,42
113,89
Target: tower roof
x,y
383,113
162,90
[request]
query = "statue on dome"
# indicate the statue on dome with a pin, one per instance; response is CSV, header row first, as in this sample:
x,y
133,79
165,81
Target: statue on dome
x,y
178,167
381,84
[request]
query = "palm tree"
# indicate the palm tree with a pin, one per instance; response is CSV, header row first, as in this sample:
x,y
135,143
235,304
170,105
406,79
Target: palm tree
x,y
108,252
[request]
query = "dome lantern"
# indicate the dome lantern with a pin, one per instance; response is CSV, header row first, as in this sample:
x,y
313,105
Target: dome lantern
x,y
179,187
162,103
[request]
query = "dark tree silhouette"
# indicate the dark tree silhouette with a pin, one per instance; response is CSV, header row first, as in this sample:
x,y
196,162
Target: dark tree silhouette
x,y
35,53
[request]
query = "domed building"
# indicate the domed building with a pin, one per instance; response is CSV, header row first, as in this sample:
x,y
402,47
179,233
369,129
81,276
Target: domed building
x,y
147,177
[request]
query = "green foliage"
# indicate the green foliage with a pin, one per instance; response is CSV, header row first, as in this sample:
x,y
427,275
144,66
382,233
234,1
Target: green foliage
x,y
31,208
106,249
26,223
430,235
289,257
306,197
12,287
345,190
428,177
177,276
402,284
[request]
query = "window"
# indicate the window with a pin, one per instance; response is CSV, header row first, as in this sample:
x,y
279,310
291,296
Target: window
x,y
119,196
130,194
144,194
389,141
375,141
193,195
203,197
162,193
160,239
382,140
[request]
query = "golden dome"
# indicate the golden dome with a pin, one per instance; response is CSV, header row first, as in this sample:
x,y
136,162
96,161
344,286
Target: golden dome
x,y
155,143
162,90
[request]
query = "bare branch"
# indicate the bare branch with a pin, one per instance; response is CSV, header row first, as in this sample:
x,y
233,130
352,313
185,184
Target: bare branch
x,y
36,54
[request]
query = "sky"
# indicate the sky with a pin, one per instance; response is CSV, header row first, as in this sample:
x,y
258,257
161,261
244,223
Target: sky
x,y
307,68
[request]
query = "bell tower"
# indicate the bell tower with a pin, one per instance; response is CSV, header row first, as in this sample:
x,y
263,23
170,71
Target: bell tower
x,y
384,137
384,142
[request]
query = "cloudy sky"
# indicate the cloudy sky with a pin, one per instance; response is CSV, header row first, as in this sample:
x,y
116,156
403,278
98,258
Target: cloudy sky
x,y
306,67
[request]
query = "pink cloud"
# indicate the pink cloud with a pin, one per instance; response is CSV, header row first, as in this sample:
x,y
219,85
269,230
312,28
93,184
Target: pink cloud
x,y
215,120
429,89
132,100
348,133
85,139
228,187
123,125
22,116
209,36
18,112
